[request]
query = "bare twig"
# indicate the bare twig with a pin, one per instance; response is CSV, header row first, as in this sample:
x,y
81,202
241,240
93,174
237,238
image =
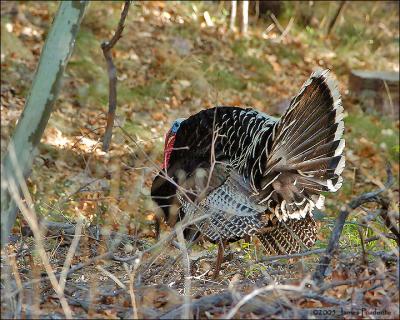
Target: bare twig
x,y
34,225
180,255
390,223
131,274
286,31
333,21
106,46
278,25
111,276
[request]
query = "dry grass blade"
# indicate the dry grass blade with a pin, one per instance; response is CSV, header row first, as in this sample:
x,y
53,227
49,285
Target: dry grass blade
x,y
31,218
70,254
186,263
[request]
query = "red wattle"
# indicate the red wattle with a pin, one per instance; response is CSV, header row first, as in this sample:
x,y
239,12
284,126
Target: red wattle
x,y
169,146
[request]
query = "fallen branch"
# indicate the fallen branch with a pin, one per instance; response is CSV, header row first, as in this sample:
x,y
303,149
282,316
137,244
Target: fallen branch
x,y
104,256
385,256
333,244
290,256
106,46
347,282
324,299
200,305
272,287
385,235
67,229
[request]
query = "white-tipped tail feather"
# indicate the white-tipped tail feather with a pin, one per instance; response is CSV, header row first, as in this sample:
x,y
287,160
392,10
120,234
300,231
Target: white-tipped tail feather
x,y
306,154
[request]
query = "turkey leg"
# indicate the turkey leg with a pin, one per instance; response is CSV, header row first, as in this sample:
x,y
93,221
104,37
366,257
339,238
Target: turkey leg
x,y
220,258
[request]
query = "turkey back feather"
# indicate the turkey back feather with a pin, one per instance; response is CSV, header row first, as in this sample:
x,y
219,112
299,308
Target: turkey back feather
x,y
305,158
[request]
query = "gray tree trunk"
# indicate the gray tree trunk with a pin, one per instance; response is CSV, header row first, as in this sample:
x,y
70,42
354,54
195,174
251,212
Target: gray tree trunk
x,y
39,104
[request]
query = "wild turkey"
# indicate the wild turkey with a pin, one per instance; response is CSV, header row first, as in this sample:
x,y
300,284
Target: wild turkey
x,y
239,172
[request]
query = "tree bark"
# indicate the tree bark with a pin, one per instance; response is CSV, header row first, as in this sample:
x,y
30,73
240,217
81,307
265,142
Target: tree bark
x,y
39,104
233,15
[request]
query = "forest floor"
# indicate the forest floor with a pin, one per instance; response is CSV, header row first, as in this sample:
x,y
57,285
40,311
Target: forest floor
x,y
171,63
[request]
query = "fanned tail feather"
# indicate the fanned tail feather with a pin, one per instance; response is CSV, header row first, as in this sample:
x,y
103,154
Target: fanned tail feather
x,y
306,154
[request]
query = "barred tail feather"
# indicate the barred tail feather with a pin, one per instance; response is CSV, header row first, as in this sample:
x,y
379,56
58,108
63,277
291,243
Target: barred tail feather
x,y
305,158
289,237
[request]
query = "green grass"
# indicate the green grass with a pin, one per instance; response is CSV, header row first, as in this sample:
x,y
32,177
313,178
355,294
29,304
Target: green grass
x,y
360,37
136,129
350,237
240,47
364,126
190,31
261,69
223,79
286,52
347,188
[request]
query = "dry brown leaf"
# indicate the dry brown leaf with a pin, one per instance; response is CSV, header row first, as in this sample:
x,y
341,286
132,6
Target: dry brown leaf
x,y
158,116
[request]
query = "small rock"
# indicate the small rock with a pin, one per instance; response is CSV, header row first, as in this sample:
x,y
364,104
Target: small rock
x,y
182,46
